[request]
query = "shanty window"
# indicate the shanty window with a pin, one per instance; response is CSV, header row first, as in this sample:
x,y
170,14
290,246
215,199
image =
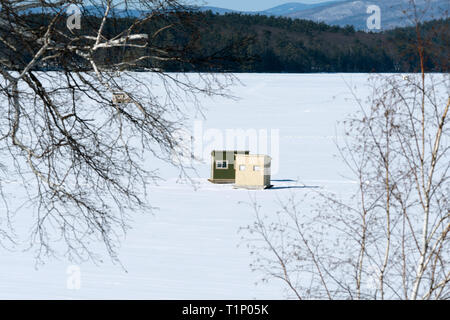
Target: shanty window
x,y
256,168
242,167
222,164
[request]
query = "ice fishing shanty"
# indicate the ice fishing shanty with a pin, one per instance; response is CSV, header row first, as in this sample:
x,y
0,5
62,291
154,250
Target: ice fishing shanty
x,y
252,171
223,166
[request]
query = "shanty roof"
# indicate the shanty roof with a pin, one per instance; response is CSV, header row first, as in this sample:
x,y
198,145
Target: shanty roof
x,y
229,151
255,155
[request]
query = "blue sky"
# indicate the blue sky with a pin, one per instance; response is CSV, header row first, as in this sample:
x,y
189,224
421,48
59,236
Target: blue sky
x,y
251,5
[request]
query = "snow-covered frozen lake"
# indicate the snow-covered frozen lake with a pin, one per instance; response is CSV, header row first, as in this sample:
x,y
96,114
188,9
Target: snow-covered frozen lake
x,y
190,248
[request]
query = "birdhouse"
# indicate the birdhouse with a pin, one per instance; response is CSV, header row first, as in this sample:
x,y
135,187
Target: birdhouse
x,y
120,97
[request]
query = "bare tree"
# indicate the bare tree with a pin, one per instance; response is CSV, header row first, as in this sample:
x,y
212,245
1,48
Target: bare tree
x,y
390,240
79,136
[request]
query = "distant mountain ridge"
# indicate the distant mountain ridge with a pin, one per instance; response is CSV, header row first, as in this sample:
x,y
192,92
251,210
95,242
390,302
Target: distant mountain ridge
x,y
337,12
350,12
292,7
281,10
392,12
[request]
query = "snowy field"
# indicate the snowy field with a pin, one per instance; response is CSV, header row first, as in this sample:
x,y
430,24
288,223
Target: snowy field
x,y
191,248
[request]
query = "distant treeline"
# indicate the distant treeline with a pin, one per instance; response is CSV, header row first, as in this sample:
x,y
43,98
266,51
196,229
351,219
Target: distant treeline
x,y
293,45
255,43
